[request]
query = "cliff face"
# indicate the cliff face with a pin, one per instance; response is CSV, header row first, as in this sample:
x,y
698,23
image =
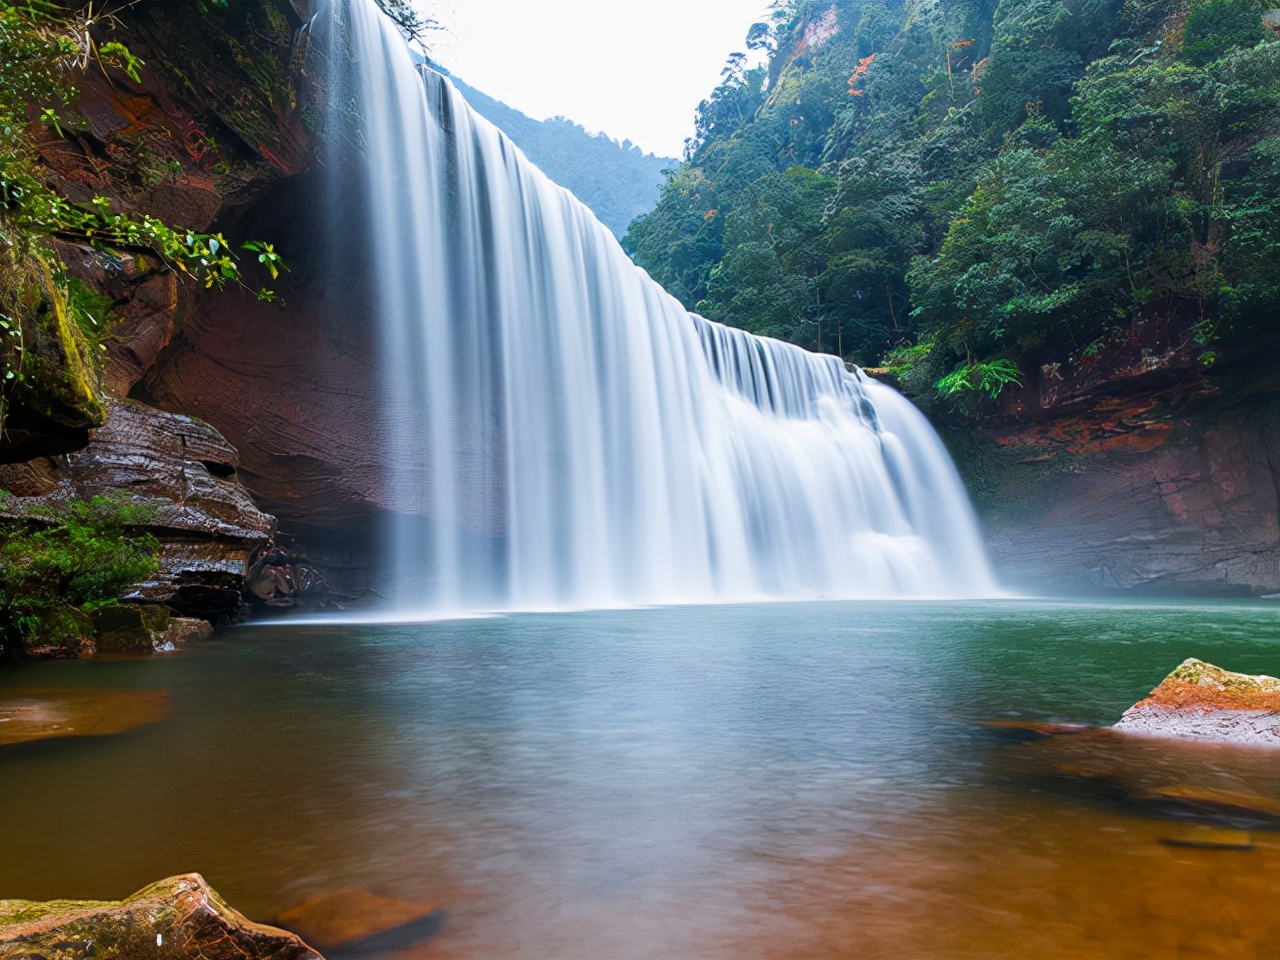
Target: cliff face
x,y
1155,477
291,384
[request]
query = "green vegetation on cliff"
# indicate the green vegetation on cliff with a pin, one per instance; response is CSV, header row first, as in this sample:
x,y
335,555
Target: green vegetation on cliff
x,y
44,47
57,568
969,191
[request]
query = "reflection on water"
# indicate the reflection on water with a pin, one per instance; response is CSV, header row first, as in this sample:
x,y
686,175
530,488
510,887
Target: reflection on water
x,y
787,780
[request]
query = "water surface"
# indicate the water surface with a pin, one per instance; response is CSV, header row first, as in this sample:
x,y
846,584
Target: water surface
x,y
784,780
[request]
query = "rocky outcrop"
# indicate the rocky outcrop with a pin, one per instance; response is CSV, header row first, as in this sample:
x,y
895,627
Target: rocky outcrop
x,y
1163,483
185,472
180,918
215,119
1200,701
49,398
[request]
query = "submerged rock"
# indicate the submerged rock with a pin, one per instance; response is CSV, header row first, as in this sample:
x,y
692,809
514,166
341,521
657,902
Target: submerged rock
x,y
1201,837
175,919
1200,701
354,922
1223,784
40,714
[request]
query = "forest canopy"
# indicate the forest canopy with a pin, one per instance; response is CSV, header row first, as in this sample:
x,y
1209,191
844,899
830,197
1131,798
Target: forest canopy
x,y
965,190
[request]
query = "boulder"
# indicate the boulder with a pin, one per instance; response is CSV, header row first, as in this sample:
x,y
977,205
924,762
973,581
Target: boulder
x,y
1200,701
175,919
130,627
181,631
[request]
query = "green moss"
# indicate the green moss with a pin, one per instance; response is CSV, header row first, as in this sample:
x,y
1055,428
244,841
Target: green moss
x,y
90,310
49,366
56,567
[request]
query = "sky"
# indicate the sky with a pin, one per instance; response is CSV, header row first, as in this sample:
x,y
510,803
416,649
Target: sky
x,y
634,69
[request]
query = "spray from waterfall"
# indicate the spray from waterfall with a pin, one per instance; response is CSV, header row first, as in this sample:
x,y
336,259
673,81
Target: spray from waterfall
x,y
559,431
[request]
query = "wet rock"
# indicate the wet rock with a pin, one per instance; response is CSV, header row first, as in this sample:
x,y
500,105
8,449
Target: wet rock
x,y
183,630
181,917
130,627
43,713
281,579
1032,730
354,922
1200,701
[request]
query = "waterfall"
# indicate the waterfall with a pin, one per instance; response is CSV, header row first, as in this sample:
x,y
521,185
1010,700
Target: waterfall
x,y
559,431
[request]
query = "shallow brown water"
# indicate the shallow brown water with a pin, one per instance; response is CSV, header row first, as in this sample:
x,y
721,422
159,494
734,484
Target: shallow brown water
x,y
799,780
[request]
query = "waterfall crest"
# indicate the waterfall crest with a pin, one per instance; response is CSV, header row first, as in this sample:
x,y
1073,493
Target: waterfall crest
x,y
559,431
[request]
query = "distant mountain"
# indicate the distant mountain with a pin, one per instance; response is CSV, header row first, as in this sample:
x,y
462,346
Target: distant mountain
x,y
618,181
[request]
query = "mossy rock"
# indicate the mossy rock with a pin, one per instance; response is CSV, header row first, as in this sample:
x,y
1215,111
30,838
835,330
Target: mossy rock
x,y
54,374
60,633
175,919
130,627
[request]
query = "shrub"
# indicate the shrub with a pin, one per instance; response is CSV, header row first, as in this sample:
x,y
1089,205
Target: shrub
x,y
59,563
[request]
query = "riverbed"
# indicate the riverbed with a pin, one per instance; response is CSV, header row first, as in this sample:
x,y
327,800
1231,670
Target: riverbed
x,y
771,780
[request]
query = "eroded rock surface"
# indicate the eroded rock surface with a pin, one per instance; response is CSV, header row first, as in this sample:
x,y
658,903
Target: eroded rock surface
x,y
1200,701
180,918
1174,488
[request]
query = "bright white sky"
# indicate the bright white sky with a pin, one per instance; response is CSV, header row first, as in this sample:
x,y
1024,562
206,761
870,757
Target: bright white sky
x,y
634,69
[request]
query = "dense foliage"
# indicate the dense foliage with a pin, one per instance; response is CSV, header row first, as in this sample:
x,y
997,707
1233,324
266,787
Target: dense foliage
x,y
618,181
967,190
60,565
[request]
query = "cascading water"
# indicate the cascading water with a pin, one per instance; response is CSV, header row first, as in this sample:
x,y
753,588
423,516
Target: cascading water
x,y
559,431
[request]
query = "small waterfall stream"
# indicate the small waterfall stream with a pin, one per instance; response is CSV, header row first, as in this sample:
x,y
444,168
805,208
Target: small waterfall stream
x,y
559,431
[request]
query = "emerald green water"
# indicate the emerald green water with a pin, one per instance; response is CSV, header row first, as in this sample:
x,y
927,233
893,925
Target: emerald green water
x,y
802,779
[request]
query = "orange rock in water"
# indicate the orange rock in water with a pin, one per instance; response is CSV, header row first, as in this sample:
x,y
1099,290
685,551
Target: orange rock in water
x,y
53,712
350,917
1200,701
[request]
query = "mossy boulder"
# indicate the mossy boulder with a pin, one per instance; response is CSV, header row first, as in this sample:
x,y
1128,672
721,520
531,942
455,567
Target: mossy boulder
x,y
130,627
60,633
180,918
1201,701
